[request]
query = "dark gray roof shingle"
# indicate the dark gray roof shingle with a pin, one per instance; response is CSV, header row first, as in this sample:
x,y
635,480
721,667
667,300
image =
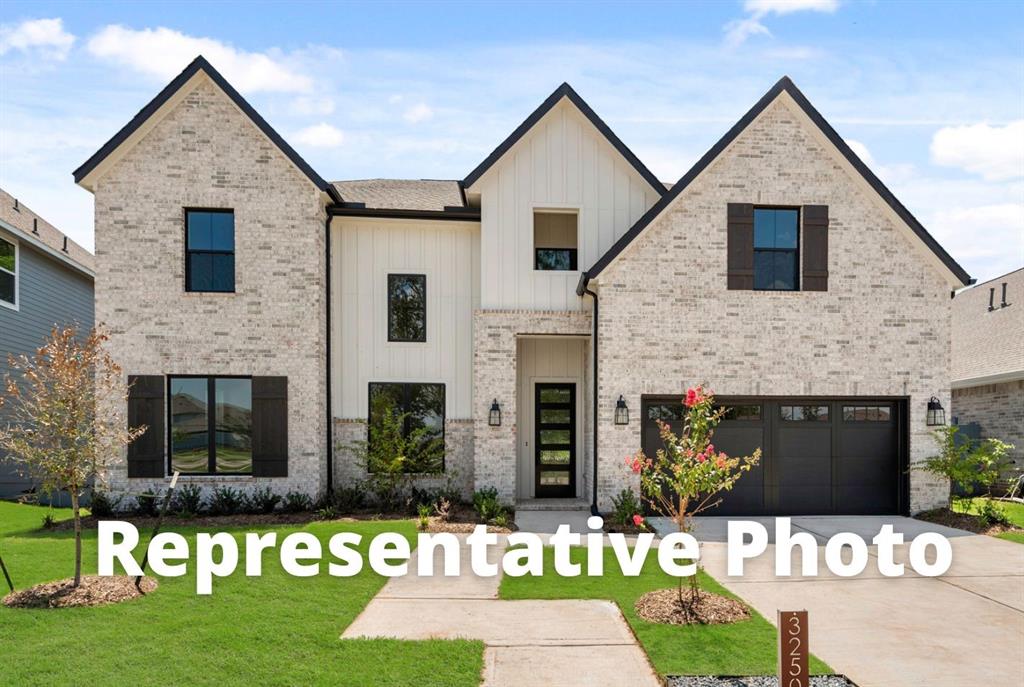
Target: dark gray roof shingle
x,y
401,194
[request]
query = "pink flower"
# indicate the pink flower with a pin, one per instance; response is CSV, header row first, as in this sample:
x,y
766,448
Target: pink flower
x,y
701,457
720,461
638,520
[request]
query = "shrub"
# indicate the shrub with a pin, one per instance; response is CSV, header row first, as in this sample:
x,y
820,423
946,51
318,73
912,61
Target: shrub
x,y
350,498
188,500
420,497
297,502
226,501
146,504
262,501
424,511
502,519
965,462
102,505
990,513
327,513
443,509
48,522
624,507
487,505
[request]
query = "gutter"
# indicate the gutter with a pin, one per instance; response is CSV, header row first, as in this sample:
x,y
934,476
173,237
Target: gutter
x,y
581,290
327,356
451,212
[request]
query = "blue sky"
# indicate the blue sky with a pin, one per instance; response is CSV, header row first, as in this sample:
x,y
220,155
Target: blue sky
x,y
930,94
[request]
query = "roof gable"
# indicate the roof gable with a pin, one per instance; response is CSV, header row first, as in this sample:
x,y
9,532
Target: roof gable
x,y
784,85
563,91
197,66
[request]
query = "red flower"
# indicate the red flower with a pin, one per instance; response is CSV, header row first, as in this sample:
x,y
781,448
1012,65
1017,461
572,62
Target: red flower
x,y
638,520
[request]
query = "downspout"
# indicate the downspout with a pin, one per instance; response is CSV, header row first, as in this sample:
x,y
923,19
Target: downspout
x,y
330,413
582,289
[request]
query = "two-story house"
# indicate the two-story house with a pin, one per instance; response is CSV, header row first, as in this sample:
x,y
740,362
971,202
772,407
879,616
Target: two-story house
x,y
538,315
45,282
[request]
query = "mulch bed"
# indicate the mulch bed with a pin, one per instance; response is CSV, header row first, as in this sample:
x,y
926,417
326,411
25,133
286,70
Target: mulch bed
x,y
963,521
93,591
662,606
456,527
612,528
751,681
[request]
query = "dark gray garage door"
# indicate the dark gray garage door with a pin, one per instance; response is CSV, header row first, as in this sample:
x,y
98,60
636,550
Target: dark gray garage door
x,y
819,455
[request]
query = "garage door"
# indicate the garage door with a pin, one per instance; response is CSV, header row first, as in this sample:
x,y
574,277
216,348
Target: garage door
x,y
819,455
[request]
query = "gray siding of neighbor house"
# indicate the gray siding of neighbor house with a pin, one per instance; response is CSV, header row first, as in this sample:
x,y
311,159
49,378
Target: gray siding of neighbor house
x,y
49,293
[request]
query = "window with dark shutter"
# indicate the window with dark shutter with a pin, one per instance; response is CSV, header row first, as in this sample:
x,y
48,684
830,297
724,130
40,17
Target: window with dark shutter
x,y
740,249
270,426
815,248
146,407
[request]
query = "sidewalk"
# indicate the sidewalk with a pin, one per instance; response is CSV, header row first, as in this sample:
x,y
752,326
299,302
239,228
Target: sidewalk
x,y
565,643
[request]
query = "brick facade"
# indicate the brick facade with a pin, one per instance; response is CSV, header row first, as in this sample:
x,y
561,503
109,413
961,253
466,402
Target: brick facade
x,y
668,321
999,411
206,153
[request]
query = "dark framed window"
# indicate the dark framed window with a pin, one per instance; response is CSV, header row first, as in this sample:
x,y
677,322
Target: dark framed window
x,y
8,273
742,412
813,413
563,259
407,307
555,240
210,250
872,413
776,249
406,409
210,425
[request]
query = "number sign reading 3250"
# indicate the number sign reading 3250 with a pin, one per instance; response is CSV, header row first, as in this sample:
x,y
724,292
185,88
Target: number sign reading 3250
x,y
793,651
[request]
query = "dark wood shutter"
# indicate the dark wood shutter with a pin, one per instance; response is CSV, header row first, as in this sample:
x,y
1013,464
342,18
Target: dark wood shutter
x,y
270,426
146,407
815,248
740,249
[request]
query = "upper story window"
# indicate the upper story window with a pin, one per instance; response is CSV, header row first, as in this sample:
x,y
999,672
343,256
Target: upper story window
x,y
407,307
8,273
211,425
555,240
776,249
210,250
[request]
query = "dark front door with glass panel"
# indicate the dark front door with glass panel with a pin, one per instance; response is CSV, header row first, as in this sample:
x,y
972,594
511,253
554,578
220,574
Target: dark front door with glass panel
x,y
555,440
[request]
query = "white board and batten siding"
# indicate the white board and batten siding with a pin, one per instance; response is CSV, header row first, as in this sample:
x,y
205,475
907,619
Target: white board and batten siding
x,y
563,163
364,251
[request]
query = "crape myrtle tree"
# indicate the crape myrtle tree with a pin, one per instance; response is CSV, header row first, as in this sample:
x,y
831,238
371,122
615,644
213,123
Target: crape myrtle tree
x,y
54,435
966,462
689,475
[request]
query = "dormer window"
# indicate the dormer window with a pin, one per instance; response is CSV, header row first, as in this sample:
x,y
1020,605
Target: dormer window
x,y
555,240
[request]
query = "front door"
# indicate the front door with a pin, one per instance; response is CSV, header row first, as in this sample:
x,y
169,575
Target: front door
x,y
555,440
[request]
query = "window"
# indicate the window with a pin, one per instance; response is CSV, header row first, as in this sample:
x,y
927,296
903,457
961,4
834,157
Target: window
x,y
211,425
400,412
407,307
8,273
804,413
866,413
776,261
555,241
742,412
210,250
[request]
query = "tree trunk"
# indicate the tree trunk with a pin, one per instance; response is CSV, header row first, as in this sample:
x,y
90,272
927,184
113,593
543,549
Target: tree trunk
x,y
78,536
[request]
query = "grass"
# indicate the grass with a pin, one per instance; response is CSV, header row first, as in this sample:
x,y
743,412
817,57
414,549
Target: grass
x,y
1014,513
744,648
271,630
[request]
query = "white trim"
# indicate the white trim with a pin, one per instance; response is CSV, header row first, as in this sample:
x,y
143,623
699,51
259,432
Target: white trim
x,y
17,274
52,252
997,378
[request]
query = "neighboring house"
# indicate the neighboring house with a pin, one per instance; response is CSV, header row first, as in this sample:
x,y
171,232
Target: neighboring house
x,y
988,361
520,313
45,281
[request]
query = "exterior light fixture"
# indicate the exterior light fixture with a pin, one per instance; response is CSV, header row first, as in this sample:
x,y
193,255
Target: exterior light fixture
x,y
936,413
494,417
621,411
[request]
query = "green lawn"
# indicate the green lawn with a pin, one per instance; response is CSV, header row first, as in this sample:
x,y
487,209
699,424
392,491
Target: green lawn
x,y
271,630
1014,511
745,648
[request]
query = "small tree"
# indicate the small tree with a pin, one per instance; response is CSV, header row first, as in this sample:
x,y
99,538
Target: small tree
x,y
391,454
688,475
965,462
55,435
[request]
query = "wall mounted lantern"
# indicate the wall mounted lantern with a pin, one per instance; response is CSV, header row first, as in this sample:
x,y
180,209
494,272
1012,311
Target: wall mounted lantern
x,y
936,413
621,411
494,417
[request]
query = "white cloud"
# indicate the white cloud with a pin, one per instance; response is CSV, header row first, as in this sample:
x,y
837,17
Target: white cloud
x,y
312,105
43,37
418,113
163,53
994,152
988,239
321,135
739,30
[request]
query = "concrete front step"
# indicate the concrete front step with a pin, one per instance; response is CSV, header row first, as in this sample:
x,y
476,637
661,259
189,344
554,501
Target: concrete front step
x,y
568,666
552,504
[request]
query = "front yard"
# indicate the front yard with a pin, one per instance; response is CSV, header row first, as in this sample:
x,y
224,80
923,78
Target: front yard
x,y
743,648
1013,511
272,630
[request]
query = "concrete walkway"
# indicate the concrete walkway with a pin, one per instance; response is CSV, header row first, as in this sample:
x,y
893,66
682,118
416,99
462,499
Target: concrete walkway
x,y
567,643
964,628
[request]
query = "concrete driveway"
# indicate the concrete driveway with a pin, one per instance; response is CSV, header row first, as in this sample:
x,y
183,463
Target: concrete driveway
x,y
964,628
